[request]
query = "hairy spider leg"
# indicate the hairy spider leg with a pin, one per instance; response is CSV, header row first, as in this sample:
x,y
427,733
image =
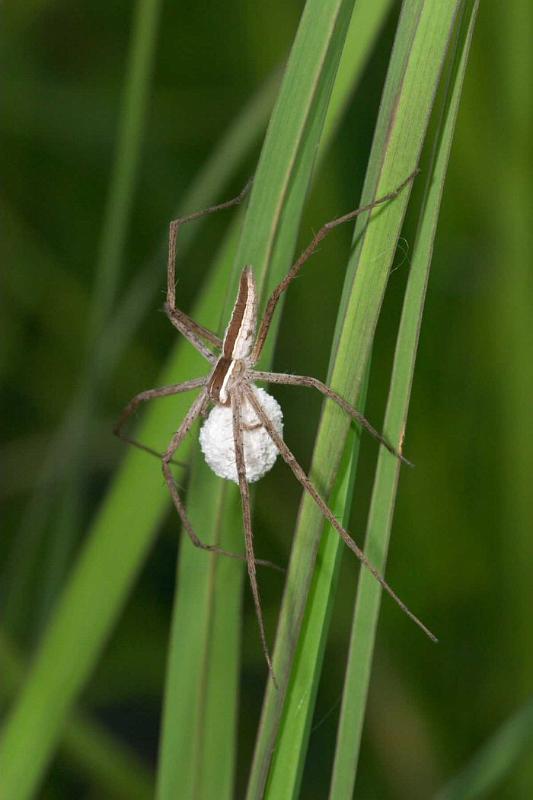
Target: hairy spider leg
x,y
192,330
247,522
167,457
314,383
152,394
308,486
307,253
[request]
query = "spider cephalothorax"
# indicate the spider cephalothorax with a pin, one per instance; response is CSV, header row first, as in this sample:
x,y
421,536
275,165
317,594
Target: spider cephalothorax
x,y
237,344
243,433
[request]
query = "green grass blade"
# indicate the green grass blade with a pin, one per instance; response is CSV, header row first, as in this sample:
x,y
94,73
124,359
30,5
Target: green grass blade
x,y
368,18
194,747
128,151
223,163
199,714
285,776
385,485
513,245
494,761
196,750
108,764
117,215
287,158
288,762
126,524
99,584
420,47
116,219
177,745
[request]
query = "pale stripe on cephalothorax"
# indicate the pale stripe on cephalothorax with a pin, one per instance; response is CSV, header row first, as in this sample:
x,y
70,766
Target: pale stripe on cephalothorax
x,y
223,393
238,339
240,332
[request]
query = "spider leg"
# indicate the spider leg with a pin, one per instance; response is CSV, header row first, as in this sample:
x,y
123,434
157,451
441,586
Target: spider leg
x,y
193,413
314,383
307,253
180,319
308,486
151,394
247,521
192,330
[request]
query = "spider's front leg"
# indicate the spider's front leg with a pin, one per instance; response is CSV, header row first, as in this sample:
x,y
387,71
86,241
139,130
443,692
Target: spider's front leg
x,y
192,330
306,255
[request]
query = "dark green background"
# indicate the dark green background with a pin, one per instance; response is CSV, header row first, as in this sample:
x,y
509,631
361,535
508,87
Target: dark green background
x,y
461,553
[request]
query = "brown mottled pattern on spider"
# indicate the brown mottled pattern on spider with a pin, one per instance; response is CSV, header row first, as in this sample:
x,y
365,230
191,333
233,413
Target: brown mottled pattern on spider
x,y
243,433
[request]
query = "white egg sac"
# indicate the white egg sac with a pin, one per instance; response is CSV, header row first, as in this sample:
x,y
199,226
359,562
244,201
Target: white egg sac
x,y
260,452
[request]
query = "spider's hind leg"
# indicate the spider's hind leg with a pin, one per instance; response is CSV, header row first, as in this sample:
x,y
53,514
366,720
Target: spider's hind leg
x,y
248,532
309,487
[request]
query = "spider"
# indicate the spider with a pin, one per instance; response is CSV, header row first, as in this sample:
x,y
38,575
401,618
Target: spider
x,y
243,433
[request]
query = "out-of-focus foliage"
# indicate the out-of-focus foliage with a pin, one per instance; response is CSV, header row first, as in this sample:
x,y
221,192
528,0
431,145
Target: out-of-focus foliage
x,y
461,551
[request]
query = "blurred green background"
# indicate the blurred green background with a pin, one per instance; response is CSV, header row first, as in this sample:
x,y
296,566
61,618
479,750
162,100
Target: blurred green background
x,y
461,551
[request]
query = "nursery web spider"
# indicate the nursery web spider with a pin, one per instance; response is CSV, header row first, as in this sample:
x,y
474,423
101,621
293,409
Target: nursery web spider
x,y
242,435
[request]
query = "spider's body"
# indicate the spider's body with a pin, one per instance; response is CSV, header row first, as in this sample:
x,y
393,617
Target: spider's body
x,y
227,384
242,435
235,359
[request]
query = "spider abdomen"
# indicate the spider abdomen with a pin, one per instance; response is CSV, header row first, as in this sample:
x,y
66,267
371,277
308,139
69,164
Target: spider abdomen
x,y
260,452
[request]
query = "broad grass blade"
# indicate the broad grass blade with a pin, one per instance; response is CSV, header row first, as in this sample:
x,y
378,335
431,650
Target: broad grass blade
x,y
421,44
385,485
